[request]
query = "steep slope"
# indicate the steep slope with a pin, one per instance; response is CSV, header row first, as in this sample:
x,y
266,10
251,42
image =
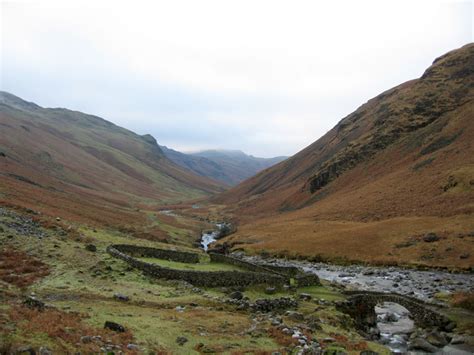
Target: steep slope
x,y
72,163
399,166
227,166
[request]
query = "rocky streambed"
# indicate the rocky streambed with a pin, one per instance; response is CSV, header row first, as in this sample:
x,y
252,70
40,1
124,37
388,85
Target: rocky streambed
x,y
423,285
397,330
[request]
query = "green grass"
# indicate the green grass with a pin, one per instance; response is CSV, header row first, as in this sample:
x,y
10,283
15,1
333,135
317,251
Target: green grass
x,y
201,266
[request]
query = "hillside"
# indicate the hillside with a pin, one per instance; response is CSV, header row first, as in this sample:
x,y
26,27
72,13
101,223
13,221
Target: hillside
x,y
227,166
79,166
400,166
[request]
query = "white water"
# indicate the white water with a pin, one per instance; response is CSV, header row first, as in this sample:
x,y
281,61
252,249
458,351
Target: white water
x,y
395,326
210,237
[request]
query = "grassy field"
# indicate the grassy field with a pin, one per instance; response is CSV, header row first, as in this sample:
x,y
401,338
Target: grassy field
x,y
201,266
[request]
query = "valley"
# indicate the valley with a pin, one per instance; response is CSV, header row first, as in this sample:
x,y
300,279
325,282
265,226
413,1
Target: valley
x,y
361,243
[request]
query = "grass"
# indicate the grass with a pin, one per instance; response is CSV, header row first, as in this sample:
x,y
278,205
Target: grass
x,y
201,266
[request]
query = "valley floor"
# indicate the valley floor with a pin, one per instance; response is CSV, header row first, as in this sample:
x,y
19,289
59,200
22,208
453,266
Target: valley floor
x,y
83,289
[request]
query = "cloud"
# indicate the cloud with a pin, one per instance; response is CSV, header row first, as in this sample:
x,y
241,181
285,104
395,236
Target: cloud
x,y
268,77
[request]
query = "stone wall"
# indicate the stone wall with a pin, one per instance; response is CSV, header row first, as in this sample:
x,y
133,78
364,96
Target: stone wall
x,y
198,278
146,252
360,306
303,279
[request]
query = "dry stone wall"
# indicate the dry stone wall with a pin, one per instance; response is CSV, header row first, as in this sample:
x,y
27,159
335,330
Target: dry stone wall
x,y
253,274
198,278
146,252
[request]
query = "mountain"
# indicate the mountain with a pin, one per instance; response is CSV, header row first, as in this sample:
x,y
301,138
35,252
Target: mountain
x,y
227,166
400,166
81,166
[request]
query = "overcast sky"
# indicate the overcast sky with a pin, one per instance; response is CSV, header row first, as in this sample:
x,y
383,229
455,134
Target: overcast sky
x,y
266,77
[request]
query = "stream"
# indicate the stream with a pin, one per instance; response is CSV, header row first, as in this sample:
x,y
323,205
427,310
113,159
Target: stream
x,y
393,320
210,237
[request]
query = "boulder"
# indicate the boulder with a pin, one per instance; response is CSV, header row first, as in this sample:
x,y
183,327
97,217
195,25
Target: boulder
x,y
270,290
423,345
458,339
236,295
91,248
431,237
181,340
25,350
120,297
34,303
305,296
437,339
114,326
295,315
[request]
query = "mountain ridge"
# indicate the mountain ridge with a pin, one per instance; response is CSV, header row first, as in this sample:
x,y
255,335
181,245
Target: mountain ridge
x,y
69,155
227,166
406,155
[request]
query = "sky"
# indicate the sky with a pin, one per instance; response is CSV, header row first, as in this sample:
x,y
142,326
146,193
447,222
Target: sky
x,y
265,77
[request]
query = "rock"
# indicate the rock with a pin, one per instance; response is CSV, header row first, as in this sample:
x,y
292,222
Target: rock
x,y
389,317
436,338
450,326
45,351
295,315
431,237
458,339
86,339
114,326
270,290
422,344
236,295
34,303
91,248
58,219
133,347
120,297
180,308
305,296
25,350
464,256
181,340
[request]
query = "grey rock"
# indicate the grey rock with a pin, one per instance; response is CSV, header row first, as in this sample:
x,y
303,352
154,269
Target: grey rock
x,y
34,303
270,290
436,338
86,339
91,248
114,326
45,351
458,339
121,297
422,344
295,315
181,340
25,350
431,237
133,347
236,295
305,296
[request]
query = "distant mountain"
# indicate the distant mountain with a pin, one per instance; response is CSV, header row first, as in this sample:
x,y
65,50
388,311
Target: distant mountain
x,y
227,166
400,166
68,162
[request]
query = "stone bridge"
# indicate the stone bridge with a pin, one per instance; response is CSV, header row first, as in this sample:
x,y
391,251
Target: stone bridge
x,y
360,305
